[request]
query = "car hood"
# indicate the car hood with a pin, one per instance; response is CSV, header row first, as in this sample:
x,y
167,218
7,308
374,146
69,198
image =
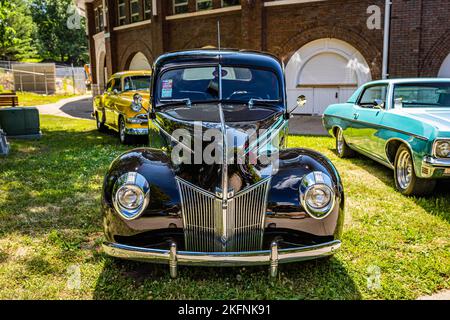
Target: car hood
x,y
440,119
242,125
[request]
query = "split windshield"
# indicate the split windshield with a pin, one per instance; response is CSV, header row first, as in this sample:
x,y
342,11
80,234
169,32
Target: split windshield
x,y
135,83
201,84
423,95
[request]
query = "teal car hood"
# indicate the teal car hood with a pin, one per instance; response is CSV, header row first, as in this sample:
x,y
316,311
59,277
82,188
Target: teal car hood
x,y
440,119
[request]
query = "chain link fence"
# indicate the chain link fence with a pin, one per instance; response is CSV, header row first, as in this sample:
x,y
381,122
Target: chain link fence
x,y
42,78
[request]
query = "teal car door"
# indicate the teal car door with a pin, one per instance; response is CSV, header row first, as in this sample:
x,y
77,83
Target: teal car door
x,y
368,113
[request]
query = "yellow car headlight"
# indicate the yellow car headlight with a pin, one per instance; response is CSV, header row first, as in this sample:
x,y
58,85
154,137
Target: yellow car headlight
x,y
136,105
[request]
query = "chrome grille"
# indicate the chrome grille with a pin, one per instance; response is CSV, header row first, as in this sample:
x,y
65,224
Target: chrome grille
x,y
203,216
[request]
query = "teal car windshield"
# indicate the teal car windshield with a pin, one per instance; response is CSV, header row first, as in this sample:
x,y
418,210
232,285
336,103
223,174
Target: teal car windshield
x,y
201,84
423,95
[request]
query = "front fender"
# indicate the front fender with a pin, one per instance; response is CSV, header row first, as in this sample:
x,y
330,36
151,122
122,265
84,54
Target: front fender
x,y
284,207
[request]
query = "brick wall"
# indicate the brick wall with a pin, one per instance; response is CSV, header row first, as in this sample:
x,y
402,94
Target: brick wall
x,y
420,37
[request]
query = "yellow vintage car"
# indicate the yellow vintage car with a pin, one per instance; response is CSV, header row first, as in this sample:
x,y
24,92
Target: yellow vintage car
x,y
124,105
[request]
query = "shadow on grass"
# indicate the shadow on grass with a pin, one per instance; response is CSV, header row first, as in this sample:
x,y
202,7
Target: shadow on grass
x,y
318,279
437,204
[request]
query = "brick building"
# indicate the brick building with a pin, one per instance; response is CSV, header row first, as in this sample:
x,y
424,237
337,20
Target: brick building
x,y
329,47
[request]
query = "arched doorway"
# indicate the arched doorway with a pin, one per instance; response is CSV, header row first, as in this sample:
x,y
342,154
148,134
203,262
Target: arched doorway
x,y
326,71
444,71
139,62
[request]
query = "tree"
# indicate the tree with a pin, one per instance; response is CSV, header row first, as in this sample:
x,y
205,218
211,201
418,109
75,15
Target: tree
x,y
17,30
61,35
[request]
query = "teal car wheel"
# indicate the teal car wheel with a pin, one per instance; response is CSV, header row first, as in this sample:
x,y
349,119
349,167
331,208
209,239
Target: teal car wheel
x,y
342,149
406,180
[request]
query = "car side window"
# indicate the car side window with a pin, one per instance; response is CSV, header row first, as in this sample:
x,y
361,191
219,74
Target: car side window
x,y
117,85
127,84
371,94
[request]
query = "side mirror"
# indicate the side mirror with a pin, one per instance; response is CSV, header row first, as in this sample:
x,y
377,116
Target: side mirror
x,y
116,92
379,104
301,101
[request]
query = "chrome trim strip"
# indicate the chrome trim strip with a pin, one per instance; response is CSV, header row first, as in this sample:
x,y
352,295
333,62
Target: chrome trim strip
x,y
379,126
221,259
434,162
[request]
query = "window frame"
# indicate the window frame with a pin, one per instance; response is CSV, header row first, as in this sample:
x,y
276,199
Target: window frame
x,y
134,15
123,18
148,11
197,2
182,4
227,6
385,85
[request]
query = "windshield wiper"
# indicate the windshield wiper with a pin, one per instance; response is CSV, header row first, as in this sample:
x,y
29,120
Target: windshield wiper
x,y
252,101
186,101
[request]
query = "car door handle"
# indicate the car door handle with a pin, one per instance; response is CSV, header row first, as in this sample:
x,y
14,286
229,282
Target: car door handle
x,y
356,115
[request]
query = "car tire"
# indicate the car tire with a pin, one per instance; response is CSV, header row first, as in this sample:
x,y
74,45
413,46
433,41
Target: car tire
x,y
124,138
100,125
342,148
405,177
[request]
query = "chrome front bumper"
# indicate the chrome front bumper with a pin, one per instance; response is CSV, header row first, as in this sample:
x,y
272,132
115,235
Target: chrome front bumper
x,y
136,132
430,165
271,257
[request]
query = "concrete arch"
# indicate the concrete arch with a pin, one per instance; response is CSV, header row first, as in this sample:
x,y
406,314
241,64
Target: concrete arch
x,y
139,62
131,51
444,71
326,71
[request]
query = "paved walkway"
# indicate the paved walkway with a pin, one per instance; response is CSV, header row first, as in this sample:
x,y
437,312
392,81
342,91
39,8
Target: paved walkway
x,y
307,126
443,295
77,107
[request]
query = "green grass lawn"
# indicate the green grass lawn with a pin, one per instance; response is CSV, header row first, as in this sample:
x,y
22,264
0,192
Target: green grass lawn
x,y
50,224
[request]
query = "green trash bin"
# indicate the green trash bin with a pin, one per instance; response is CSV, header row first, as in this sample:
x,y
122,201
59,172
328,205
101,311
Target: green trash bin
x,y
20,122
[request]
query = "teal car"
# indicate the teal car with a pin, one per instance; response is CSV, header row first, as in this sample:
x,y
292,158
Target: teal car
x,y
403,124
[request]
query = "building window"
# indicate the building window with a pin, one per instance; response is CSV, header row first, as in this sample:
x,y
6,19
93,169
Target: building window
x,y
204,5
122,15
99,20
180,6
229,3
135,8
148,9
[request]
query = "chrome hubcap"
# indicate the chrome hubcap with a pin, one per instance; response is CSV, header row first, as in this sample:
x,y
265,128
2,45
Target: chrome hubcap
x,y
340,141
404,169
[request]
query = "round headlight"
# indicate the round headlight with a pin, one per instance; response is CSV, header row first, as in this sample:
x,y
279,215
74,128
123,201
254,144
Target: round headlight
x,y
443,149
131,195
317,195
136,105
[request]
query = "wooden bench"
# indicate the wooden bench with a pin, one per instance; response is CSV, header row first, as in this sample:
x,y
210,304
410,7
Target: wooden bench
x,y
9,99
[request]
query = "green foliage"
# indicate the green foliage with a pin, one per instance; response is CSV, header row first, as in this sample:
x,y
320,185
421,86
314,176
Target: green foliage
x,y
61,32
17,30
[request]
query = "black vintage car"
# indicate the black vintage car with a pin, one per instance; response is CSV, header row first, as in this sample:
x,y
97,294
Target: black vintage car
x,y
217,186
